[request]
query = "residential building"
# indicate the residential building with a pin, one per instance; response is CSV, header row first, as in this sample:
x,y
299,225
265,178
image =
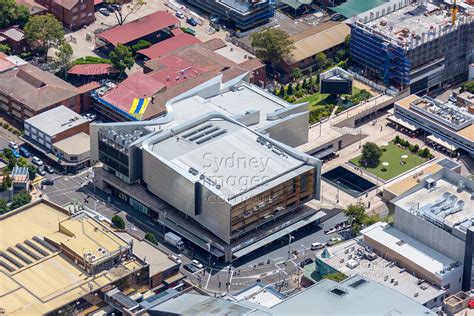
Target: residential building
x,y
242,15
325,38
176,74
14,38
457,304
439,212
53,261
230,210
413,44
361,257
26,91
353,296
443,124
73,14
62,135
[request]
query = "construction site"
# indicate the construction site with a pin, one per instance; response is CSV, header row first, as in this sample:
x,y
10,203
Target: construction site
x,y
423,45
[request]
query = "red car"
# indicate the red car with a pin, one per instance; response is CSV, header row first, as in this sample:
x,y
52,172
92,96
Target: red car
x,y
471,304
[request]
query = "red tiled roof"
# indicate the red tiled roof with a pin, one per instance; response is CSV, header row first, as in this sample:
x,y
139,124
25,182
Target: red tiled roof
x,y
88,87
164,47
139,28
214,44
5,64
251,64
137,85
91,69
97,2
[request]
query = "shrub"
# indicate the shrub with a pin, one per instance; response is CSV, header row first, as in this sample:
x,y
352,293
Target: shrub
x,y
299,94
118,221
151,238
290,98
142,44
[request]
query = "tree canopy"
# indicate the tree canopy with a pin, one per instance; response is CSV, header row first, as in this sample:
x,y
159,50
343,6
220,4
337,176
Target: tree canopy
x,y
20,199
371,154
13,14
63,56
44,32
272,45
133,7
468,86
151,238
121,58
118,221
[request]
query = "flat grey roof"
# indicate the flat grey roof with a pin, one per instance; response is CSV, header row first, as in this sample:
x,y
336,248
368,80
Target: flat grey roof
x,y
228,155
78,144
56,120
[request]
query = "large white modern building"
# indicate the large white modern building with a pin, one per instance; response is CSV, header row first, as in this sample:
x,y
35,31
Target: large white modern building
x,y
218,169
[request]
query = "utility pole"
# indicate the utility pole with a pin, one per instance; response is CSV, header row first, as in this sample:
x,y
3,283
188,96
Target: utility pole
x,y
290,238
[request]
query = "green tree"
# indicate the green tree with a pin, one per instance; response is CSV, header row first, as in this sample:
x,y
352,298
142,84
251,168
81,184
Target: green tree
x,y
296,74
468,86
151,238
425,153
21,198
371,154
118,221
356,212
12,14
340,55
282,92
132,8
43,32
3,206
63,57
321,60
142,44
289,91
5,49
32,172
347,41
121,58
272,46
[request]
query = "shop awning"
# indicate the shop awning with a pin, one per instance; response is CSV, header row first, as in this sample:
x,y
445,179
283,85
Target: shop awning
x,y
403,123
441,142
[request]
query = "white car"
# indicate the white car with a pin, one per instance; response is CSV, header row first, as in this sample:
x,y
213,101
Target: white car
x,y
13,145
317,246
175,259
41,171
37,161
179,15
334,241
197,264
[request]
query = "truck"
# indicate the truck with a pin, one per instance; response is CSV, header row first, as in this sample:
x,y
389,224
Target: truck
x,y
174,240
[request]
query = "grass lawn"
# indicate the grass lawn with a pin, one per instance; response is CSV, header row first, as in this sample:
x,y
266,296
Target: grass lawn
x,y
393,155
318,100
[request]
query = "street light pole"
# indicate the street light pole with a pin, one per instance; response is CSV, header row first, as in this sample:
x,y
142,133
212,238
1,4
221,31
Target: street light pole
x,y
290,238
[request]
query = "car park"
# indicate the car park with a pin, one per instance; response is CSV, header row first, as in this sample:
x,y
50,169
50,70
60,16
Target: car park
x,y
41,171
47,182
191,21
24,152
189,267
197,264
37,161
175,258
104,11
49,169
179,15
317,246
13,145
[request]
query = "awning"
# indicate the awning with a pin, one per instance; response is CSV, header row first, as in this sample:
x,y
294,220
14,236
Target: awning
x,y
174,278
264,241
323,153
295,4
403,123
441,142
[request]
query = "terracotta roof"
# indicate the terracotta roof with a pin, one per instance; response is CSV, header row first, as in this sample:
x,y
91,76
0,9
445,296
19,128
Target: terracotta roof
x,y
67,4
89,87
252,64
164,47
91,69
214,44
32,6
138,28
35,88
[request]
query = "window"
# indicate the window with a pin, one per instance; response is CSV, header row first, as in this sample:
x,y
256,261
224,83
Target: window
x,y
303,182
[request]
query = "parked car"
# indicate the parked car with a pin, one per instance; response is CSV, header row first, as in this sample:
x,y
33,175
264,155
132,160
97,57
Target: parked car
x,y
306,261
116,7
49,169
317,246
191,21
179,15
13,145
175,259
47,182
24,152
334,241
90,116
37,161
189,267
15,153
110,8
104,11
197,264
41,171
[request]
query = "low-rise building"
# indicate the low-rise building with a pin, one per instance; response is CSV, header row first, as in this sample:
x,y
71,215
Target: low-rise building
x,y
26,91
61,134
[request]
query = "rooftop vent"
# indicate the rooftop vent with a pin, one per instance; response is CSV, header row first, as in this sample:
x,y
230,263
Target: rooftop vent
x,y
338,291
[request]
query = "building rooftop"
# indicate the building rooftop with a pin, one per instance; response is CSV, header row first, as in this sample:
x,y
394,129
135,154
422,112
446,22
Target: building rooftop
x,y
205,149
168,45
57,120
413,23
243,7
378,270
266,296
414,251
35,88
443,204
32,239
75,145
318,39
139,28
